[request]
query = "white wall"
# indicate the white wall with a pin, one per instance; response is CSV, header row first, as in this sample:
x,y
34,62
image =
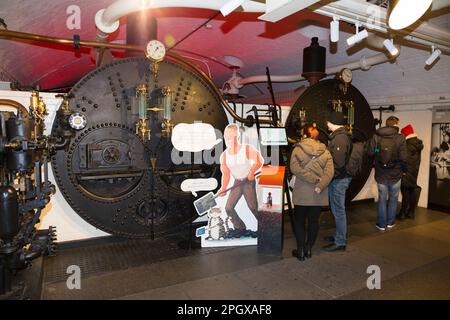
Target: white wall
x,y
417,111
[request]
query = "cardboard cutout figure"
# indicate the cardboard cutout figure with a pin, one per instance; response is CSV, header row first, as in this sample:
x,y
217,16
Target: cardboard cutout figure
x,y
239,162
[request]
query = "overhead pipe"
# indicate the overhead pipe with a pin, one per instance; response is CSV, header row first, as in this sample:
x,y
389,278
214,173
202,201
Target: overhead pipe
x,y
107,20
14,104
363,63
353,11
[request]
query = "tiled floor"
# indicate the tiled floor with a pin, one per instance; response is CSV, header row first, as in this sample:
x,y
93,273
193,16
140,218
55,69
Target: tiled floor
x,y
414,259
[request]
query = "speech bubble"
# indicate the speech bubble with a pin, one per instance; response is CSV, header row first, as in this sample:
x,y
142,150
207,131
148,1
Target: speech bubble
x,y
194,137
200,184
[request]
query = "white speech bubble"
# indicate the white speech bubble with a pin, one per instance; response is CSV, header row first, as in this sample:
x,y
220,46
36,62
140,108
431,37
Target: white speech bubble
x,y
200,184
194,137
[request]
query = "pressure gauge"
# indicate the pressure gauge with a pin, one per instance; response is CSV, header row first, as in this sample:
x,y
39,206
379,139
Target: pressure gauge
x,y
345,75
155,51
77,121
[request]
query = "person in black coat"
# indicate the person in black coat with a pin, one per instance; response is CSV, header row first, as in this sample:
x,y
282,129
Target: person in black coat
x,y
389,148
409,188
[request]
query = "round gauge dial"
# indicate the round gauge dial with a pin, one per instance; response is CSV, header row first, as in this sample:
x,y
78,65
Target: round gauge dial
x,y
346,75
155,50
77,121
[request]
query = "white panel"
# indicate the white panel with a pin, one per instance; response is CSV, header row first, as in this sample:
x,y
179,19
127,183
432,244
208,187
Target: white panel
x,y
277,10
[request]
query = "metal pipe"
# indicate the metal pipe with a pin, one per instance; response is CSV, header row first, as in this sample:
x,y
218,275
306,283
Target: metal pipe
x,y
95,44
14,104
40,38
107,19
363,63
353,11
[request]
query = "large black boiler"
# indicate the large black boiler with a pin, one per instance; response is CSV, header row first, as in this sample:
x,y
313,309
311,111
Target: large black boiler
x,y
117,179
315,105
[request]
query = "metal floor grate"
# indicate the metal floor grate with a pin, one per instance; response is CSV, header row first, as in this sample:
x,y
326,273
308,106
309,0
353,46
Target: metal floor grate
x,y
115,256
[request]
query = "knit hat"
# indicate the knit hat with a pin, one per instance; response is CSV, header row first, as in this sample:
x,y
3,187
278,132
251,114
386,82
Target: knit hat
x,y
337,118
406,131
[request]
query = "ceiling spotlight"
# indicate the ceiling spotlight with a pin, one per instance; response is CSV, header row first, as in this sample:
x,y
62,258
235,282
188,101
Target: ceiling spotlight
x,y
334,30
432,58
388,44
358,37
403,13
230,6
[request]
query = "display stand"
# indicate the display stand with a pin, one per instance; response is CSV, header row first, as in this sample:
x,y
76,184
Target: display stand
x,y
189,243
270,210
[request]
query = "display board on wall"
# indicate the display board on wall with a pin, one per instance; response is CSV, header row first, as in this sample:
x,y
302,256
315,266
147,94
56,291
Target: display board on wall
x,y
439,183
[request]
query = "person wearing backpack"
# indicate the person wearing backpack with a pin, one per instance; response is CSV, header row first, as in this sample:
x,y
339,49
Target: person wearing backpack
x,y
339,145
312,165
388,147
409,188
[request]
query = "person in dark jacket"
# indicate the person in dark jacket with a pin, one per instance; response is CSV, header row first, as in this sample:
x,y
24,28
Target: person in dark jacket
x,y
339,145
409,187
388,175
312,166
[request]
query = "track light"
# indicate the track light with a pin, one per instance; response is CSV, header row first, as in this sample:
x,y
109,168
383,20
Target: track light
x,y
434,55
230,6
334,30
358,37
388,44
403,13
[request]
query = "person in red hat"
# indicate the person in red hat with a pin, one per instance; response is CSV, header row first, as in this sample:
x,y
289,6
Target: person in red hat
x,y
409,188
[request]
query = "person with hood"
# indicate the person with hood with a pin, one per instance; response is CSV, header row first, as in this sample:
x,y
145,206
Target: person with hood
x,y
409,188
340,146
312,165
389,148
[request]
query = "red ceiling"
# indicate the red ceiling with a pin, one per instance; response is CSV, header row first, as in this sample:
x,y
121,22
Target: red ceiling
x,y
257,43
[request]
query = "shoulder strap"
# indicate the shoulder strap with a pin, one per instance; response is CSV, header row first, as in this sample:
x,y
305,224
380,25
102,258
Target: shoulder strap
x,y
349,151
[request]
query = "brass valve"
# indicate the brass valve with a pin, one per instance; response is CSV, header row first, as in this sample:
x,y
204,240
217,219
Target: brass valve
x,y
166,128
142,130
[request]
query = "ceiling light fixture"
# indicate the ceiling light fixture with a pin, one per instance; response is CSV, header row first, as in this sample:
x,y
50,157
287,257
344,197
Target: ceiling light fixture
x,y
389,45
230,6
434,55
334,30
358,37
403,13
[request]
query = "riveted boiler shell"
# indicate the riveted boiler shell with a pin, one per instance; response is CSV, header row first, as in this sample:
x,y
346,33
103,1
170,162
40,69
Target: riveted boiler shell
x,y
316,101
106,173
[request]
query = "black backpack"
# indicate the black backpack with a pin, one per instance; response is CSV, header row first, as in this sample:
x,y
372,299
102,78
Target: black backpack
x,y
356,158
385,151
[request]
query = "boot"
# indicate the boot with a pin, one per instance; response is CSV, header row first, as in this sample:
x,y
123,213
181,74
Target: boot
x,y
410,216
299,254
308,252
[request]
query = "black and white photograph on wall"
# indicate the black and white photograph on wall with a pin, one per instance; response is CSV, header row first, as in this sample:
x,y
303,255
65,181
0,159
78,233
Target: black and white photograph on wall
x,y
439,185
